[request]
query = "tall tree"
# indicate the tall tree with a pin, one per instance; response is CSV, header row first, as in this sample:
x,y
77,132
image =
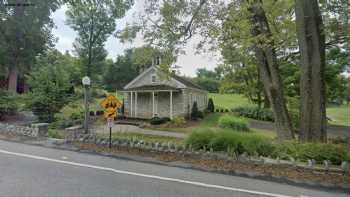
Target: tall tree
x,y
95,21
25,31
311,36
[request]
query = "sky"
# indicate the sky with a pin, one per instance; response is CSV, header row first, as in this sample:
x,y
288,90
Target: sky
x,y
188,62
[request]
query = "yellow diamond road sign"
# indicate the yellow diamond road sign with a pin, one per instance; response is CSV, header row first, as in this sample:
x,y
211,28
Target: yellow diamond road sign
x,y
111,104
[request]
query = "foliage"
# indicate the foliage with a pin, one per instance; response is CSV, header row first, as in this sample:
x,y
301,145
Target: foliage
x,y
234,123
94,22
211,85
19,28
8,103
55,134
250,143
258,145
50,88
255,113
195,113
178,121
159,121
69,115
317,151
211,106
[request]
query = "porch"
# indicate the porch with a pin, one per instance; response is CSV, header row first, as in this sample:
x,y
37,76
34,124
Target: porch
x,y
156,101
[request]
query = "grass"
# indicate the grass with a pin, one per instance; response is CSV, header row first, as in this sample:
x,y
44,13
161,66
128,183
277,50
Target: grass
x,y
229,101
148,138
339,114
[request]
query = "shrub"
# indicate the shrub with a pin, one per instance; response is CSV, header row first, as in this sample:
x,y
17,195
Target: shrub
x,y
49,90
159,121
235,123
69,115
178,121
211,106
195,113
199,139
317,151
255,113
253,144
259,145
8,103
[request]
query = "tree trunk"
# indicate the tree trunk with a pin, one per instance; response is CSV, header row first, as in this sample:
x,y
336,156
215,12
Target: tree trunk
x,y
268,70
312,84
12,79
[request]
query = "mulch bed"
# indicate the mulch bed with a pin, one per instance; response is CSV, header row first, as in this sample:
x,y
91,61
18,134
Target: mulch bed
x,y
233,167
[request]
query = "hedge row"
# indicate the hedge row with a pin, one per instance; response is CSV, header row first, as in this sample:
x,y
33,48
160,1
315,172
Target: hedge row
x,y
258,145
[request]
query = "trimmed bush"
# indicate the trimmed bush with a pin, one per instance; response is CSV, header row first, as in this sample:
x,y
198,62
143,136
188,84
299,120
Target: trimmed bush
x,y
253,144
211,106
255,113
317,151
235,123
259,145
159,121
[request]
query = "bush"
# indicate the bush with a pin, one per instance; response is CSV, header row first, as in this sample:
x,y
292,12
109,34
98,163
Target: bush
x,y
178,121
317,151
199,140
258,145
211,106
255,113
253,144
195,113
8,103
235,123
49,90
69,115
159,121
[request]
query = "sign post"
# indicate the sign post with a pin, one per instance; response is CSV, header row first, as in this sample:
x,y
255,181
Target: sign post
x,y
110,125
110,104
86,82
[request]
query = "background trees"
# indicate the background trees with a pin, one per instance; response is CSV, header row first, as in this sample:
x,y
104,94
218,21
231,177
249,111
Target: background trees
x,y
94,20
25,31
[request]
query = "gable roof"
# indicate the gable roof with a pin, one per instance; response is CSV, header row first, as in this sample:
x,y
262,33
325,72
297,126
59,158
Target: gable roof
x,y
184,82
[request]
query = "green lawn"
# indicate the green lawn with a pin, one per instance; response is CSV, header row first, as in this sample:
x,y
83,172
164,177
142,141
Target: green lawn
x,y
340,115
229,101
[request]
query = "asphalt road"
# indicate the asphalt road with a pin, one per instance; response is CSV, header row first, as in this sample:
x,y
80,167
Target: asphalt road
x,y
32,171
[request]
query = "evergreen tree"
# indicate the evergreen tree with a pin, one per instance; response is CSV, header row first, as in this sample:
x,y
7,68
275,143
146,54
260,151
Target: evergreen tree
x,y
211,106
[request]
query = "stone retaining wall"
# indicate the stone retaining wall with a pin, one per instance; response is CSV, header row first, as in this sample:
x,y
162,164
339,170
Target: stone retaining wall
x,y
36,130
170,147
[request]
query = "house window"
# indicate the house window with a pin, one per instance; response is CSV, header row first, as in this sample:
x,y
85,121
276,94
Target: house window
x,y
153,78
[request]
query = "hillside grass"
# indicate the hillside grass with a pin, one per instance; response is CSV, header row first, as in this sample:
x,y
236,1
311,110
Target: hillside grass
x,y
340,115
229,101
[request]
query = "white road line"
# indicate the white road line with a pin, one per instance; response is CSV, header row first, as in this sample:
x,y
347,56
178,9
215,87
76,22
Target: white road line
x,y
143,175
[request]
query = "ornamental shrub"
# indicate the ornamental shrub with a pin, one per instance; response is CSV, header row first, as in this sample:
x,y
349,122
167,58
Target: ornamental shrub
x,y
159,121
235,123
254,113
195,113
211,106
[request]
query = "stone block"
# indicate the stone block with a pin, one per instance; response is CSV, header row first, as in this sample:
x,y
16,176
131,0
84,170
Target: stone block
x,y
42,129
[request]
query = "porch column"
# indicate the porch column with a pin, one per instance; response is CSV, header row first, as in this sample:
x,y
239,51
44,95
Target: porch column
x,y
135,104
153,109
171,104
131,104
